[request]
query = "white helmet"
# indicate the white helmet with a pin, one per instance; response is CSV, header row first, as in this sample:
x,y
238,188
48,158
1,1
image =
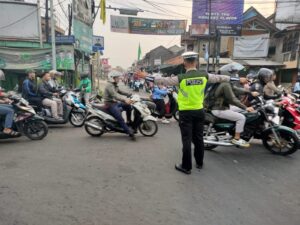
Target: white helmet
x,y
2,75
112,74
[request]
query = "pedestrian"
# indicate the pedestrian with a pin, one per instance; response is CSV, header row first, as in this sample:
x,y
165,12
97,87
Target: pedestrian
x,y
190,102
86,87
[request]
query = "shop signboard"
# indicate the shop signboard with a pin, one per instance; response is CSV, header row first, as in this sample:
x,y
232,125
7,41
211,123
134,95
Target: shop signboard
x,y
226,17
287,11
83,25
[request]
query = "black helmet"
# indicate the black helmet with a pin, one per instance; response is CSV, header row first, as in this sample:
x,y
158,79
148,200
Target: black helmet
x,y
264,75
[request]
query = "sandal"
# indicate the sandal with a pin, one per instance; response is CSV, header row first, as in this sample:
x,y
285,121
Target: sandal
x,y
12,133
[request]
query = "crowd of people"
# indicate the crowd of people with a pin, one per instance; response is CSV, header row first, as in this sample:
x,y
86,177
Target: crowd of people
x,y
226,100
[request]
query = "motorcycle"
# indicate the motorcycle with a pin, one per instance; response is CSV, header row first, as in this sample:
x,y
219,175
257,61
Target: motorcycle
x,y
73,110
289,112
100,121
136,85
278,139
171,106
26,121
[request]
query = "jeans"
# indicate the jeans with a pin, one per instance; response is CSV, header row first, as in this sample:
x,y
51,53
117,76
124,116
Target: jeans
x,y
191,126
8,112
116,111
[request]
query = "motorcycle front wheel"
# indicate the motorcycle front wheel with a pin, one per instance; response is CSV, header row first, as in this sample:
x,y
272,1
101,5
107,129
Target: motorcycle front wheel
x,y
289,142
35,130
148,128
94,121
77,119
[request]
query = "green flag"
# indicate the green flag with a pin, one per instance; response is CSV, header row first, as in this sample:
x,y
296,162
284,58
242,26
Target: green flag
x,y
139,52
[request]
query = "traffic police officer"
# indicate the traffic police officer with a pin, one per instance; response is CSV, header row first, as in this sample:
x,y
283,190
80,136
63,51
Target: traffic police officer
x,y
190,102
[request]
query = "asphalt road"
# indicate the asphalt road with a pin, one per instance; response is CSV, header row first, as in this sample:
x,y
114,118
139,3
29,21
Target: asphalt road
x,y
70,178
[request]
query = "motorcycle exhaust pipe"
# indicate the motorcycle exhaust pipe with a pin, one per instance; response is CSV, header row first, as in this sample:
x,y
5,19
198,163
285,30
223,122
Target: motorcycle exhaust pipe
x,y
219,143
93,126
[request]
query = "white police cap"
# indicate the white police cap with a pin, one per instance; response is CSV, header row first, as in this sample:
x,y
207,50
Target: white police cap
x,y
190,55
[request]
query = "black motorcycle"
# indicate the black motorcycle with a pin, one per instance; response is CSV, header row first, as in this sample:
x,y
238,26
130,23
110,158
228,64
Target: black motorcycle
x,y
26,121
279,140
171,106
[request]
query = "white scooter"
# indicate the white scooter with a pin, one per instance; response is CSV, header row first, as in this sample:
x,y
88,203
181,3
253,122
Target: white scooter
x,y
100,121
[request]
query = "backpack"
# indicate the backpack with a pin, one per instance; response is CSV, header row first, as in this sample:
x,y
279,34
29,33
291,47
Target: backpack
x,y
210,98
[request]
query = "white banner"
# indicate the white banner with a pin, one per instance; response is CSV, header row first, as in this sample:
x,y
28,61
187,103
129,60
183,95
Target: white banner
x,y
288,11
256,46
18,20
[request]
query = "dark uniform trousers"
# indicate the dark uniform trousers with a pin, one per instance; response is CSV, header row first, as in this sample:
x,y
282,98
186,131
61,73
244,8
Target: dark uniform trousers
x,y
191,124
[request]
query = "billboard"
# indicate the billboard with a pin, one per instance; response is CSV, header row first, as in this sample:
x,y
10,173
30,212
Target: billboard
x,y
18,20
39,59
287,11
226,17
136,25
82,25
256,46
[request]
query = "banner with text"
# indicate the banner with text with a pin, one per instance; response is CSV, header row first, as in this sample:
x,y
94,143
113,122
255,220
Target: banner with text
x,y
226,17
38,59
255,46
135,25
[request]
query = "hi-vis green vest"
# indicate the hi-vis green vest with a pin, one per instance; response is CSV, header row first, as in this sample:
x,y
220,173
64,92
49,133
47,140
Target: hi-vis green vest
x,y
191,90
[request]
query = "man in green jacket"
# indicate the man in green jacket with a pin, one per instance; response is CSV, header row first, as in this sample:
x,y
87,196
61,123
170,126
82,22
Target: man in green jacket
x,y
190,101
85,87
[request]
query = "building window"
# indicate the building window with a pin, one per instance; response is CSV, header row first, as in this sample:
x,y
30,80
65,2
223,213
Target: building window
x,y
290,42
286,57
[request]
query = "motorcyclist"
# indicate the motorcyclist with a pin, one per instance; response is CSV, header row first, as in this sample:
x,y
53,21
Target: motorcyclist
x,y
54,82
6,111
48,96
85,87
270,89
262,78
29,90
116,100
225,98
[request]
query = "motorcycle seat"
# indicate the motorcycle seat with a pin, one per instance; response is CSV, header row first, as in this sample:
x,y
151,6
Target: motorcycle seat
x,y
213,119
101,107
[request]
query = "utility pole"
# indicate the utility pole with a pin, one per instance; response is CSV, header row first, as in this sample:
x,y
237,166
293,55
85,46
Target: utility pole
x,y
40,23
47,21
209,31
70,18
53,36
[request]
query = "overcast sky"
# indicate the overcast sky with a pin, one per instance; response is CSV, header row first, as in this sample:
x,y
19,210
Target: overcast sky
x,y
122,48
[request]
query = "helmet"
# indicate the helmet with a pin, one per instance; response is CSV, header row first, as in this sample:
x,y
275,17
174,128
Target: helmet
x,y
264,75
55,73
190,55
2,75
112,74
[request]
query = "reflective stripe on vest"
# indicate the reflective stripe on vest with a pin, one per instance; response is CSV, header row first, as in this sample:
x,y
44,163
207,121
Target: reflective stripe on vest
x,y
191,93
